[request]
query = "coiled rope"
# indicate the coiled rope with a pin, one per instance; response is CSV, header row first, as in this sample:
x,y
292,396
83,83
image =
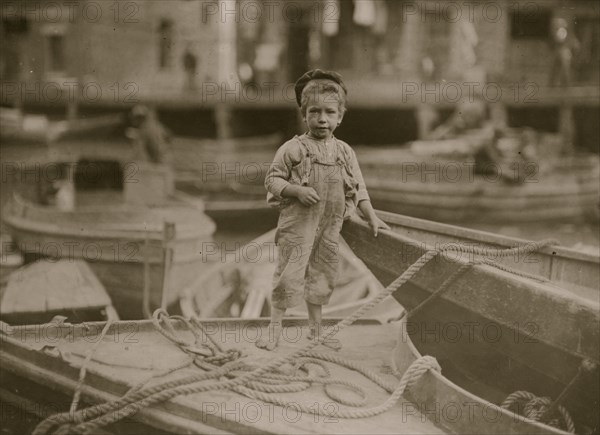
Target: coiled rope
x,y
534,407
97,416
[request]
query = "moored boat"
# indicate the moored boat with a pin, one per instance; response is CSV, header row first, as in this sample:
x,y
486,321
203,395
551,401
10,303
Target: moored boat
x,y
133,367
576,271
142,241
501,338
530,323
240,285
38,292
213,165
228,175
451,190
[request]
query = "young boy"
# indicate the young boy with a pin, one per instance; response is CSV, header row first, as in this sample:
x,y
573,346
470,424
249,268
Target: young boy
x,y
316,182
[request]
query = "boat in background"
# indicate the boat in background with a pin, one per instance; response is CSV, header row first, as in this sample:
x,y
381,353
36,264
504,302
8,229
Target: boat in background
x,y
530,323
241,284
228,175
39,291
447,189
143,242
214,165
34,128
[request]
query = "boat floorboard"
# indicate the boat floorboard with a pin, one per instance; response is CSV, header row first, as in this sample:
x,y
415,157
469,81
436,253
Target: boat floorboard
x,y
126,358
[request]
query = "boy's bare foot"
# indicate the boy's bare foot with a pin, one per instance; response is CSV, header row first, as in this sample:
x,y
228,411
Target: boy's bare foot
x,y
315,332
271,341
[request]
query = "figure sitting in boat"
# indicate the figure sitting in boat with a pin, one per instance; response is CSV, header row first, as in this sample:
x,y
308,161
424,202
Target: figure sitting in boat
x,y
508,153
152,139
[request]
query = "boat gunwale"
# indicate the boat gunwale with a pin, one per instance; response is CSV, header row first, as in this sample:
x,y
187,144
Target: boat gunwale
x,y
439,377
182,231
483,236
576,303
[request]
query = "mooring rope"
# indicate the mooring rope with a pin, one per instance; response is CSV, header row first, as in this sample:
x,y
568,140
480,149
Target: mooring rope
x,y
534,407
97,416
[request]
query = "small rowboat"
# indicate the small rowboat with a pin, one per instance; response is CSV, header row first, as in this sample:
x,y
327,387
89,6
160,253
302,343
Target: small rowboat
x,y
240,285
530,323
450,191
39,291
142,241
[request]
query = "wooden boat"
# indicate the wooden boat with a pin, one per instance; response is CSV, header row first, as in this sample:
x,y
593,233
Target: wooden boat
x,y
143,242
234,206
449,190
240,285
39,291
228,175
493,331
575,270
213,165
42,368
132,352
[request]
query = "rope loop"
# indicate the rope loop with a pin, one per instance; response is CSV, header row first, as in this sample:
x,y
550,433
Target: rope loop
x,y
418,368
533,407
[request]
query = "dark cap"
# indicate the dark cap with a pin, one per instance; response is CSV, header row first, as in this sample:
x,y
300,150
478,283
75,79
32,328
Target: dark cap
x,y
317,74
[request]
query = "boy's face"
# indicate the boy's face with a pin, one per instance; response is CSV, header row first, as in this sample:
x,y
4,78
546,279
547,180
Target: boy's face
x,y
323,115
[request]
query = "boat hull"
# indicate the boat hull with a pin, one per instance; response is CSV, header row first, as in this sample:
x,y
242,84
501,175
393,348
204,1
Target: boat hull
x,y
125,254
25,362
490,327
450,191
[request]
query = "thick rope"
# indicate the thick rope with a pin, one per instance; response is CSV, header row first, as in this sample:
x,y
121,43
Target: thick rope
x,y
417,369
83,370
102,415
534,407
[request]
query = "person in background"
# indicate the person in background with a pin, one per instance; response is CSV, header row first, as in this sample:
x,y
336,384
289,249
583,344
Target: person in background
x,y
152,139
190,65
564,45
316,182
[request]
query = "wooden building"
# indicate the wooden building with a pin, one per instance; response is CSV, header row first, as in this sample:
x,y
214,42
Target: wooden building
x,y
112,52
399,58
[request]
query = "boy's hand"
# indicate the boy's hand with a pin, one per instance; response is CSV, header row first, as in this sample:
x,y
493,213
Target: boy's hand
x,y
375,223
307,195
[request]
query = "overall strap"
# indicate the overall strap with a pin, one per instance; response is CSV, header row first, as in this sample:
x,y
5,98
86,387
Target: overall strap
x,y
344,157
308,158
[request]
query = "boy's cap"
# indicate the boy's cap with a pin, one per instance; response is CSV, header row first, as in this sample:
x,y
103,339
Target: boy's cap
x,y
314,75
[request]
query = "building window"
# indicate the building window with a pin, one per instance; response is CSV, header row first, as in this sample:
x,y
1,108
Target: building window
x,y
165,44
56,53
530,23
587,31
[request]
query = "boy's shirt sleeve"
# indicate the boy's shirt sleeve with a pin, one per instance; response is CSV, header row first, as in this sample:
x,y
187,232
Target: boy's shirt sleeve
x,y
361,193
279,172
